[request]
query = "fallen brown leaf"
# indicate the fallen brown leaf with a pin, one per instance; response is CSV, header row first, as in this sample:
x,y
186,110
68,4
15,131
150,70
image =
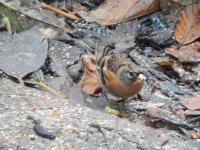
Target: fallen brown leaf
x,y
188,26
192,112
167,116
184,2
192,103
195,135
157,113
89,82
188,53
116,11
176,1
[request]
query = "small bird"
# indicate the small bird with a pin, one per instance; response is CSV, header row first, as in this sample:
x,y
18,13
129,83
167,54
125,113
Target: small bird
x,y
117,75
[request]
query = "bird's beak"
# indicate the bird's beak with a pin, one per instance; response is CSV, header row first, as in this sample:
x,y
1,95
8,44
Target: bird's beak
x,y
141,77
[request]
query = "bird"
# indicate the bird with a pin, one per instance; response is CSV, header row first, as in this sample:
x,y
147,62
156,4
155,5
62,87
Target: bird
x,y
118,76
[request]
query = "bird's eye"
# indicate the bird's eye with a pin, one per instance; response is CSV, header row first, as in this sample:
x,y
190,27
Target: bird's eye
x,y
132,75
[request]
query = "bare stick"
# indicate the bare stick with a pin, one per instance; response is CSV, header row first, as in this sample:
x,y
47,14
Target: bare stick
x,y
58,11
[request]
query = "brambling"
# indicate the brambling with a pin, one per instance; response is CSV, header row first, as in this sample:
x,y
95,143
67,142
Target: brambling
x,y
117,75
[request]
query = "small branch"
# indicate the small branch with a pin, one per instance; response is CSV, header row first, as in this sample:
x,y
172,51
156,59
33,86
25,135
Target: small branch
x,y
128,140
58,11
44,86
99,129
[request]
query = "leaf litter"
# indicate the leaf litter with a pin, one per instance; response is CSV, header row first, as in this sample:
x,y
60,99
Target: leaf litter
x,y
188,25
112,12
167,93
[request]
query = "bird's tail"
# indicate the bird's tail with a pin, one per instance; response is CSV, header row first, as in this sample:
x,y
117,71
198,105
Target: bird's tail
x,y
106,51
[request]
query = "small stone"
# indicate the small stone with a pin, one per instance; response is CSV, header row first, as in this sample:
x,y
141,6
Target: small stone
x,y
74,71
32,137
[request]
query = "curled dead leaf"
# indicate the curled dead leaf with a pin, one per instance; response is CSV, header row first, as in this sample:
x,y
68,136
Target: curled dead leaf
x,y
157,113
116,11
189,53
188,26
195,135
192,103
169,117
184,2
192,112
89,82
176,1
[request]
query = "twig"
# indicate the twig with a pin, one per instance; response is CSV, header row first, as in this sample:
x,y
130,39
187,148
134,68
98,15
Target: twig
x,y
44,86
99,129
125,138
58,11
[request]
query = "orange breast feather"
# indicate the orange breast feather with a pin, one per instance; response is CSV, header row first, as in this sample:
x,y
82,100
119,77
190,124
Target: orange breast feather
x,y
115,87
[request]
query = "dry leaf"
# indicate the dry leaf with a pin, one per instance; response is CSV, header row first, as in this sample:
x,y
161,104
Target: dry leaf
x,y
176,1
158,113
192,103
116,11
195,135
188,53
188,25
167,116
89,82
184,2
111,111
192,112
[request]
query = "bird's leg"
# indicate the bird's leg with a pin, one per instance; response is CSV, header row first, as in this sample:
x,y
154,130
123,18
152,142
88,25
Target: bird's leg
x,y
121,100
116,107
106,97
109,102
121,104
124,112
110,106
